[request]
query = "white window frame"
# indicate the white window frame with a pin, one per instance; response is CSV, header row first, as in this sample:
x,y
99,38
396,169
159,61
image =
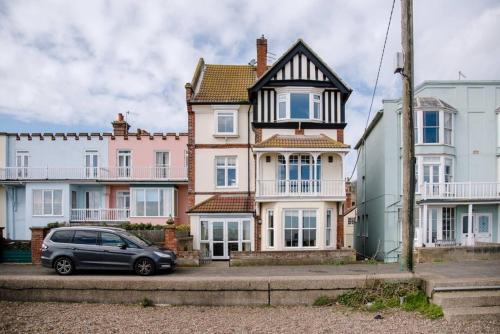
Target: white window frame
x,y
234,114
42,204
419,127
328,227
168,202
270,215
226,168
285,97
300,228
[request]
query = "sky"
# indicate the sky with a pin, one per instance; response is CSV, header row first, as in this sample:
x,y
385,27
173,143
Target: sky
x,y
73,65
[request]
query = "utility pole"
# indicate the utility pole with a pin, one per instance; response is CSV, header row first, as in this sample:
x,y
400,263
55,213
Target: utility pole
x,y
408,141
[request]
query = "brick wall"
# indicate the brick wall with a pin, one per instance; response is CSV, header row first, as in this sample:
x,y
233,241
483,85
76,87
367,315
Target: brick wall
x,y
257,234
337,256
340,228
340,135
258,135
37,236
191,147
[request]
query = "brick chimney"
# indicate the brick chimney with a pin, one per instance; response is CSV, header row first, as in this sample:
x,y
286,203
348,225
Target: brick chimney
x,y
120,126
261,56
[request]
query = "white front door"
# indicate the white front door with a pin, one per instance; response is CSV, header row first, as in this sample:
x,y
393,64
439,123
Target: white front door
x,y
22,163
483,227
219,237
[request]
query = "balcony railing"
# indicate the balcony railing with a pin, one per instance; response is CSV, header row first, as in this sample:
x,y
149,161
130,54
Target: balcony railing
x,y
300,188
99,215
93,173
461,190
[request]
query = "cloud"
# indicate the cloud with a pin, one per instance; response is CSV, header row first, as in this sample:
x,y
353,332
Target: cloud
x,y
81,62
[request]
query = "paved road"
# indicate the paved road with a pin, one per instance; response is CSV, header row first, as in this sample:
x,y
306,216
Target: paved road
x,y
466,269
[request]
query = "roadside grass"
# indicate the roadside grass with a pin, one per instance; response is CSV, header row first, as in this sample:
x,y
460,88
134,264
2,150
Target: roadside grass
x,y
146,302
383,295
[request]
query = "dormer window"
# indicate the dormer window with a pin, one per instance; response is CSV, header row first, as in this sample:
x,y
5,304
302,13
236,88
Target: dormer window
x,y
299,106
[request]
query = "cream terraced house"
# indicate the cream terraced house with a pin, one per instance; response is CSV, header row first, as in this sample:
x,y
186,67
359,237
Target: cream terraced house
x,y
266,154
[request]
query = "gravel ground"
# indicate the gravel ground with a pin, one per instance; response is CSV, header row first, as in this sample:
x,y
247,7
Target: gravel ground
x,y
16,317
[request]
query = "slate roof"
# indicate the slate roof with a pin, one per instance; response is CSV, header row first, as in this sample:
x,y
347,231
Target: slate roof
x,y
300,141
225,203
431,102
225,83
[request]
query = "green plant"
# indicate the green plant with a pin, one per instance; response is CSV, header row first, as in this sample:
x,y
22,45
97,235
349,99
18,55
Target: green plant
x,y
323,301
141,226
55,225
146,302
183,228
418,302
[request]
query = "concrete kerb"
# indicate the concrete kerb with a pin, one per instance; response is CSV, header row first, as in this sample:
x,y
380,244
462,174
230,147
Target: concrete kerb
x,y
276,290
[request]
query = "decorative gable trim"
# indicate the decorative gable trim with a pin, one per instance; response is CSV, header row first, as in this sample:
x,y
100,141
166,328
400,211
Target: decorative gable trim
x,y
300,66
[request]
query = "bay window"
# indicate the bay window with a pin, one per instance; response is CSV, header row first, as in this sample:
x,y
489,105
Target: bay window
x,y
47,202
433,127
299,106
153,202
300,228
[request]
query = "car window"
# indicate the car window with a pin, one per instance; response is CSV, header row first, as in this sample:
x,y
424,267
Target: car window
x,y
85,237
137,240
110,239
63,236
129,243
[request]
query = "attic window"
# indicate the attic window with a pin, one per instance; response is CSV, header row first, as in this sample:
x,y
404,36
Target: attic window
x,y
299,106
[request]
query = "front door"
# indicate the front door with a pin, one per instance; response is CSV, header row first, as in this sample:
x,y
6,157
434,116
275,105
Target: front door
x,y
123,203
22,164
483,227
92,205
220,237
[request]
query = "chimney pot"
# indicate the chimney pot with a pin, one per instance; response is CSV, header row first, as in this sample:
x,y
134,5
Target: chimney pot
x,y
261,56
120,117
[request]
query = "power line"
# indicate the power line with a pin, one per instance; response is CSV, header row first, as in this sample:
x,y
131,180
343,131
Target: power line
x,y
375,87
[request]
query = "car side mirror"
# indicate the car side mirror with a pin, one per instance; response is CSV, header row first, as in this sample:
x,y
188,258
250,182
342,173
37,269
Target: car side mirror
x,y
123,246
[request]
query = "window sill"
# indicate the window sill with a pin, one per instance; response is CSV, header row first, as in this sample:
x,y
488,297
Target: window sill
x,y
226,187
151,217
43,216
226,135
285,120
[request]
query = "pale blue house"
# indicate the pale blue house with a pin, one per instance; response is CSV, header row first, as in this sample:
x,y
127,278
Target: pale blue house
x,y
457,148
47,175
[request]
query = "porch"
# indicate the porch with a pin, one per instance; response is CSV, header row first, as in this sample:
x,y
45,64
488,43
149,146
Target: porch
x,y
99,215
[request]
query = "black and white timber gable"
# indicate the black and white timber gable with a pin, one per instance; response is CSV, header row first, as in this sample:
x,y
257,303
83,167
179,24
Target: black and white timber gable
x,y
298,71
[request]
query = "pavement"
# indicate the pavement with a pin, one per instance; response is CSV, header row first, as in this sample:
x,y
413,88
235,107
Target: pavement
x,y
443,270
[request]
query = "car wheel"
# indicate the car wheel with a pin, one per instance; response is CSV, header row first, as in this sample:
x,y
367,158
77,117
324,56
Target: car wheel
x,y
64,266
144,267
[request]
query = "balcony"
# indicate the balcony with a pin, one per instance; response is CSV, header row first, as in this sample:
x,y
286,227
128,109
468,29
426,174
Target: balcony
x,y
300,188
99,215
164,173
461,191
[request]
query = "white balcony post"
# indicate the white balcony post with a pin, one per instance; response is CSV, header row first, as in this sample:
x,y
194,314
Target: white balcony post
x,y
287,172
257,171
316,181
424,224
470,233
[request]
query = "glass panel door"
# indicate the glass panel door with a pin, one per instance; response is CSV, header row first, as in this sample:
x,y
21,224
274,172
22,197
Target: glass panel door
x,y
483,227
91,164
218,251
124,162
22,163
123,202
233,236
162,162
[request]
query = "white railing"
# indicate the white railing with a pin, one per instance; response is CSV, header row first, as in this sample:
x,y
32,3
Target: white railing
x,y
461,190
99,215
300,188
93,173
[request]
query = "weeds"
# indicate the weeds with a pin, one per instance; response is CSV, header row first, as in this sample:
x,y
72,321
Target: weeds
x,y
146,302
323,301
382,295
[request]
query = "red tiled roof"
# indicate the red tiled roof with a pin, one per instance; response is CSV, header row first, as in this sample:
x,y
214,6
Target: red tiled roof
x,y
300,141
225,204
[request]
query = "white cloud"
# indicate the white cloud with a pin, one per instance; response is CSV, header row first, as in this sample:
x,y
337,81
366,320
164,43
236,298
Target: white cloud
x,y
81,62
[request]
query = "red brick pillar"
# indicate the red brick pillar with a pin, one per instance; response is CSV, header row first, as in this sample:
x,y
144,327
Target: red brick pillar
x,y
340,227
37,236
170,240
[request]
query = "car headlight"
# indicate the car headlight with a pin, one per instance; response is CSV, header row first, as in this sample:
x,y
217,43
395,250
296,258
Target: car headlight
x,y
160,254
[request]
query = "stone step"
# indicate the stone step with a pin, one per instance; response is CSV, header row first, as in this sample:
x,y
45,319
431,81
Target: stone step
x,y
467,298
434,285
472,313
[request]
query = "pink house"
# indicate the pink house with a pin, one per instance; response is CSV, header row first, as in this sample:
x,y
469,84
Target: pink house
x,y
148,175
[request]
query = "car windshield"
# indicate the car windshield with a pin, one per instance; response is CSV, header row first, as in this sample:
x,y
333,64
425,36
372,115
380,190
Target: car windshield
x,y
137,240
